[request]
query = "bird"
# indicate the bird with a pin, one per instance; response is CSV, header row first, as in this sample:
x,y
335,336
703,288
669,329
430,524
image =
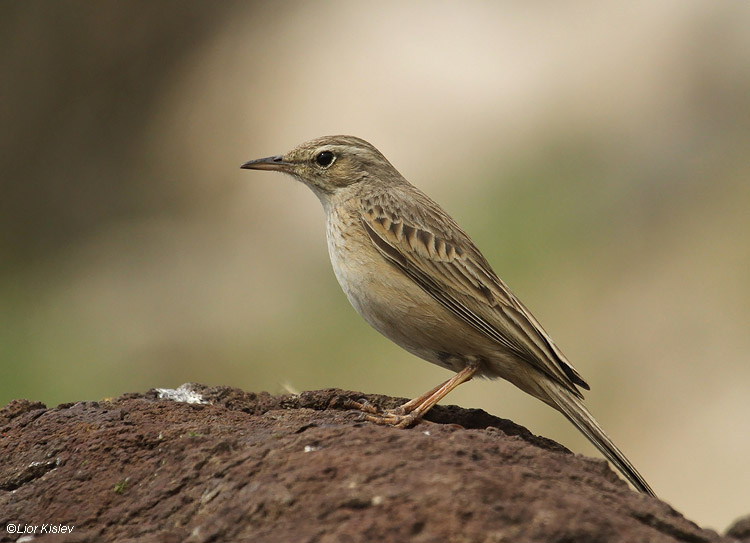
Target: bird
x,y
417,278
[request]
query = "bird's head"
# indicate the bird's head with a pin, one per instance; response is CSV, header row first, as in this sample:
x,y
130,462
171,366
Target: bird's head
x,y
331,163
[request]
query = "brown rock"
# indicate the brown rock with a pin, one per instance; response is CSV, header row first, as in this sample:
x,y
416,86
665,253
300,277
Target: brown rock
x,y
253,467
740,530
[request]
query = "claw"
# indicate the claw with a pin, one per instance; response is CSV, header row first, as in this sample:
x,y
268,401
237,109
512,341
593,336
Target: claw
x,y
394,417
362,405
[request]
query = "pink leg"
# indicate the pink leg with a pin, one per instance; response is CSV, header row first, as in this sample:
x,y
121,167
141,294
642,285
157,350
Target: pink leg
x,y
413,410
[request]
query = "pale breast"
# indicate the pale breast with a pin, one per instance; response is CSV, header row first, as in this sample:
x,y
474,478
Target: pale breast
x,y
391,302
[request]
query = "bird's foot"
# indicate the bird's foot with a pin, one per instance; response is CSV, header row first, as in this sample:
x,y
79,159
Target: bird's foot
x,y
393,417
398,417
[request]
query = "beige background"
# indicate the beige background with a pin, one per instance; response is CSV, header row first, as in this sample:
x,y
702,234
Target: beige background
x,y
596,151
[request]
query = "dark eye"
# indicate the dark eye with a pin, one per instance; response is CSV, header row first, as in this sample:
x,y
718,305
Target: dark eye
x,y
324,159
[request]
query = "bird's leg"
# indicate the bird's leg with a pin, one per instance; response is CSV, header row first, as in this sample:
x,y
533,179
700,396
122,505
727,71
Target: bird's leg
x,y
413,410
366,407
412,404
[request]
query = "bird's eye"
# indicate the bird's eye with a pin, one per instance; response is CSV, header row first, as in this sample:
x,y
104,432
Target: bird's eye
x,y
324,159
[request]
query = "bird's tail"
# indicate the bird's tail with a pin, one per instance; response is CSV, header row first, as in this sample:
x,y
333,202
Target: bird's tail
x,y
576,412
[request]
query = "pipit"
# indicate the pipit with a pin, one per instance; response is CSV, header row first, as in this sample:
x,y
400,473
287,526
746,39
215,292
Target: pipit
x,y
413,274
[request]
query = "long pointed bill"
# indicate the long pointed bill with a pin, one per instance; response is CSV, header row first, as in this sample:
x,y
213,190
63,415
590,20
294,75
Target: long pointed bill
x,y
275,163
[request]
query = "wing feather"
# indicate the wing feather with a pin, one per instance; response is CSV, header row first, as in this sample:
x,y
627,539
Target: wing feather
x,y
427,246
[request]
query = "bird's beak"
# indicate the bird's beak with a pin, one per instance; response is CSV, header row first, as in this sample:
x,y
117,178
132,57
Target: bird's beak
x,y
276,163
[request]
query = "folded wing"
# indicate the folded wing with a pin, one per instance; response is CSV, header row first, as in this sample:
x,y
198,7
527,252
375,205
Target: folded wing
x,y
445,263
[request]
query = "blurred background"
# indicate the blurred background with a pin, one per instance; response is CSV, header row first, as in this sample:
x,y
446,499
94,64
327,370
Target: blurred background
x,y
597,152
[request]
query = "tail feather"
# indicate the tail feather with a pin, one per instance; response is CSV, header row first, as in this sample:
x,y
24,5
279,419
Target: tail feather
x,y
576,412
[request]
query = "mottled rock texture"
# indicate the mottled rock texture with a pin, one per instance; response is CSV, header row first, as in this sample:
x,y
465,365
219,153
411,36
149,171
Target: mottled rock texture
x,y
302,468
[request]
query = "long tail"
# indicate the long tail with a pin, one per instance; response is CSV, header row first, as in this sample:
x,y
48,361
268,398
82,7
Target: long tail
x,y
576,412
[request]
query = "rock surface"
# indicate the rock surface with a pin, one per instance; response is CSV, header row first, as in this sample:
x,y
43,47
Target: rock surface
x,y
253,467
740,530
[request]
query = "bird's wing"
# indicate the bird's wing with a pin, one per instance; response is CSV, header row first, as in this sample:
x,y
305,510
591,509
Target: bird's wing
x,y
431,249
